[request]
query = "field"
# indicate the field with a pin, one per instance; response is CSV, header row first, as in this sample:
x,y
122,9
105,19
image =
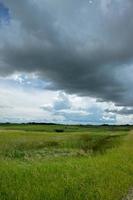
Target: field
x,y
60,162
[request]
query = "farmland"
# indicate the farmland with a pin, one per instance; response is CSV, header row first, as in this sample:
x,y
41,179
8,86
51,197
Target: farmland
x,y
65,162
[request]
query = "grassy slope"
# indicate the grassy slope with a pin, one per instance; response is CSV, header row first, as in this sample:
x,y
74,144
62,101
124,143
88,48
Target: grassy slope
x,y
25,175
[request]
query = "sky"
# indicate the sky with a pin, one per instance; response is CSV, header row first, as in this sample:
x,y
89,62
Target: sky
x,y
66,61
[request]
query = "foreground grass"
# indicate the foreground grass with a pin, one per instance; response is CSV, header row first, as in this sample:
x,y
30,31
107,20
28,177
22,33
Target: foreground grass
x,y
90,175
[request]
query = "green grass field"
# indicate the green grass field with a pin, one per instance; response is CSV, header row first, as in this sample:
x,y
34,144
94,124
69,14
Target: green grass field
x,y
58,162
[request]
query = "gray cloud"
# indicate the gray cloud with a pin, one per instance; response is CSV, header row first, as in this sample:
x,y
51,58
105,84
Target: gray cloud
x,y
123,111
82,48
62,103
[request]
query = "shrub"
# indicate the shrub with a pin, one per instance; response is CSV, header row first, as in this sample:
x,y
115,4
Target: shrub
x,y
59,130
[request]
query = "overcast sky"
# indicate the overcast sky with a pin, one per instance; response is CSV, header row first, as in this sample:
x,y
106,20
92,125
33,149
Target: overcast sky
x,y
66,61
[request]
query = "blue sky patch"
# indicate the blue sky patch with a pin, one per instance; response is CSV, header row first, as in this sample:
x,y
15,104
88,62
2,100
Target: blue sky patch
x,y
4,13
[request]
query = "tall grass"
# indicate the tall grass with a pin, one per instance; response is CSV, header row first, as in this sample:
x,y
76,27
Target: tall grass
x,y
88,176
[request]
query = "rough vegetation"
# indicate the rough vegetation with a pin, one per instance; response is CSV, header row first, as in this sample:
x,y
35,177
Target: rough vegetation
x,y
38,162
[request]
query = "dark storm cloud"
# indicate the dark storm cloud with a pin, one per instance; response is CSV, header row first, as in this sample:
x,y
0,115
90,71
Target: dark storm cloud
x,y
83,48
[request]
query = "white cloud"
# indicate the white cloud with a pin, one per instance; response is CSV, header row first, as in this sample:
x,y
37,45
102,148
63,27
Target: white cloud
x,y
75,109
121,119
21,102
